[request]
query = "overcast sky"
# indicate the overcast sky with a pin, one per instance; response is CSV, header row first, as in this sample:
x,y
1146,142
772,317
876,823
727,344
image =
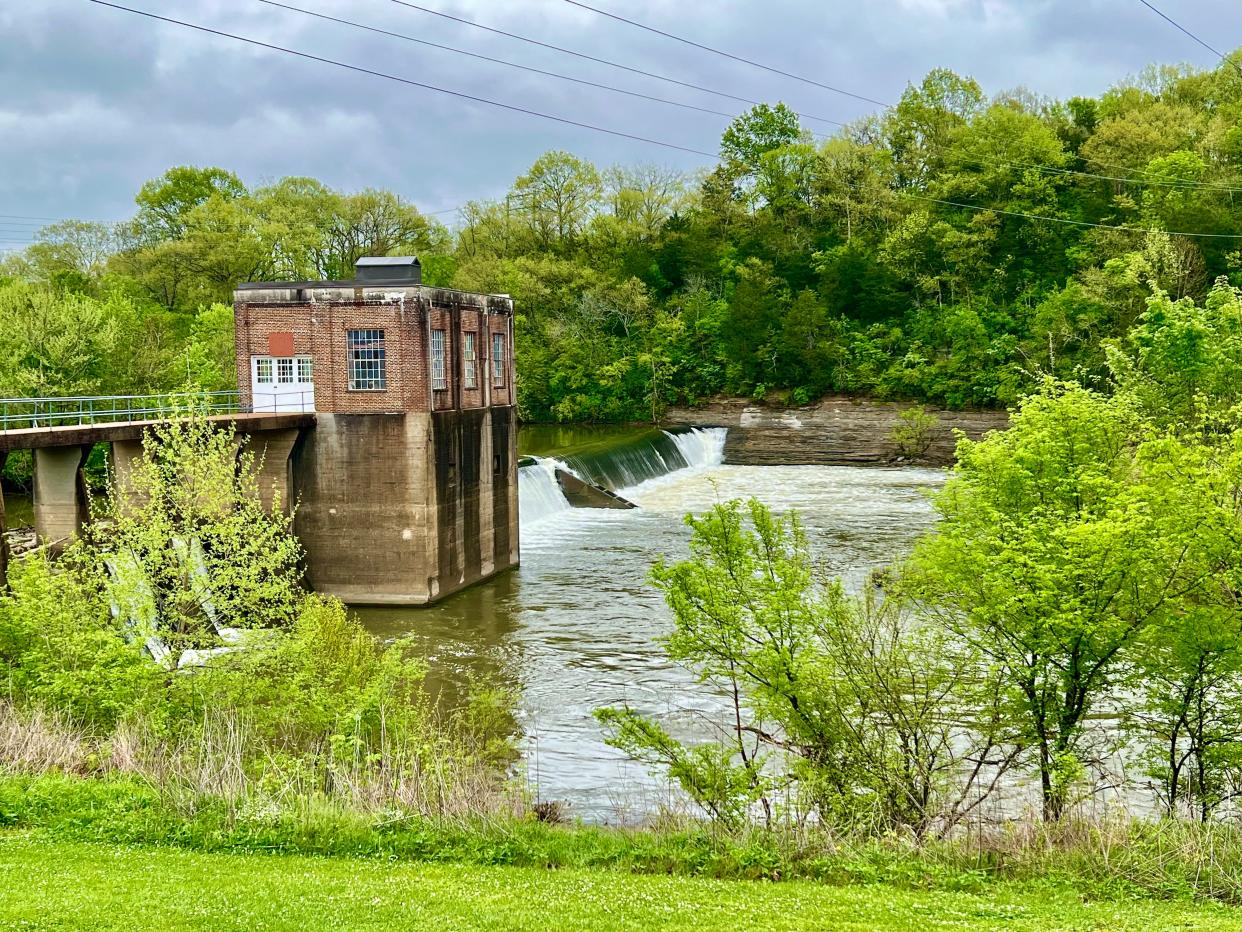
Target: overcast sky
x,y
95,100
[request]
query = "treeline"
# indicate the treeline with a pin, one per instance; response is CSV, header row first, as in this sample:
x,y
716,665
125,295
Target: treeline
x,y
954,248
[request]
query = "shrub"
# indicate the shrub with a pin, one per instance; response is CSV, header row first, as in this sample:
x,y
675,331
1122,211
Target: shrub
x,y
914,431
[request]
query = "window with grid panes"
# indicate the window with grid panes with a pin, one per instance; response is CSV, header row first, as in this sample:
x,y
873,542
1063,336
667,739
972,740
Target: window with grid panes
x,y
439,381
367,364
468,361
498,359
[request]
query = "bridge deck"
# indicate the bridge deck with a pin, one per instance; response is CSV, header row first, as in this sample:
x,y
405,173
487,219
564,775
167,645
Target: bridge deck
x,y
31,438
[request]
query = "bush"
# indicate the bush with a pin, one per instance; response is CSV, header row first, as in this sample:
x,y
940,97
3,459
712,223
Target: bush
x,y
914,431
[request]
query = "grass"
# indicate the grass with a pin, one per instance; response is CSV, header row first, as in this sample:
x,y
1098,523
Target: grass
x,y
1119,861
74,885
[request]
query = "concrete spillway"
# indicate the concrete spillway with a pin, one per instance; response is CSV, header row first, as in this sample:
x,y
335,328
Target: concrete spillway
x,y
601,477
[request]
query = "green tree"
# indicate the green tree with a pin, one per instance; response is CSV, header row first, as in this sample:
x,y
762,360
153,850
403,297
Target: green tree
x,y
1063,541
841,696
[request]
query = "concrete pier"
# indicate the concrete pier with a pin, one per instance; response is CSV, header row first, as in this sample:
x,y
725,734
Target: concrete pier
x,y
404,509
272,452
60,502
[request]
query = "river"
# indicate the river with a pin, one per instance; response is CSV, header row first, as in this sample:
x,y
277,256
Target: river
x,y
577,627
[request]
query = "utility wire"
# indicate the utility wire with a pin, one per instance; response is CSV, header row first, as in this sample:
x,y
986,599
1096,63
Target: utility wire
x,y
50,219
1180,28
419,84
724,54
1062,220
499,61
602,61
886,106
1182,184
380,74
1189,182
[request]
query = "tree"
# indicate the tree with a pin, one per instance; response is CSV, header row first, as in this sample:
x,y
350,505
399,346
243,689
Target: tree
x,y
557,196
165,202
841,697
183,536
54,344
1182,362
1065,540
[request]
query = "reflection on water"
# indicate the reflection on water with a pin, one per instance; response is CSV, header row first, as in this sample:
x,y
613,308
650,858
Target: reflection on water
x,y
577,626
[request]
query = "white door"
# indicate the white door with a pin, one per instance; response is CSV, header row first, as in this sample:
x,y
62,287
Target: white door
x,y
282,383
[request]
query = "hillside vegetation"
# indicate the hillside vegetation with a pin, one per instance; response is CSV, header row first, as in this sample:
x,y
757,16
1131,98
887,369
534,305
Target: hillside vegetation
x,y
952,249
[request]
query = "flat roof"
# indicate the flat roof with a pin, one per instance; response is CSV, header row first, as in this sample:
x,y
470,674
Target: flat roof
x,y
259,286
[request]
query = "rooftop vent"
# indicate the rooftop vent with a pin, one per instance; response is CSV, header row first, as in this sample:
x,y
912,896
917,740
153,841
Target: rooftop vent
x,y
388,270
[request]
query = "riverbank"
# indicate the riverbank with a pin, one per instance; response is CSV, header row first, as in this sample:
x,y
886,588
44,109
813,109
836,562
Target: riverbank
x,y
836,431
1102,862
89,886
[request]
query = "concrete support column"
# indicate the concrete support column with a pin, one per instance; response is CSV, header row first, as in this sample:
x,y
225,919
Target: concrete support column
x,y
486,506
59,492
126,455
271,450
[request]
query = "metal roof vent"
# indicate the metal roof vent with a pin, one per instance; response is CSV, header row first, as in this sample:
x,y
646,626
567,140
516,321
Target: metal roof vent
x,y
388,270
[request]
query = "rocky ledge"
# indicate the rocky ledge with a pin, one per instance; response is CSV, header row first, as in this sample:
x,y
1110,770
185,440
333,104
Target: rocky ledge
x,y
836,431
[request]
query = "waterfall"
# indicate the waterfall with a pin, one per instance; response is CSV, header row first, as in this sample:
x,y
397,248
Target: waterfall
x,y
701,447
696,450
630,466
539,494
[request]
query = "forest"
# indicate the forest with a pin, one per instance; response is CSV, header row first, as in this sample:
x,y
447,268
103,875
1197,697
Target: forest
x,y
955,249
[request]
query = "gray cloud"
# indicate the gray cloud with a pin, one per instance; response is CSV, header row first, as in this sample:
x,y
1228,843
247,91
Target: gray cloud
x,y
97,101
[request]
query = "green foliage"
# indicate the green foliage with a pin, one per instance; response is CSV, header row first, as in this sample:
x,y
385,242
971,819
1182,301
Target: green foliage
x,y
61,649
914,431
187,518
1067,540
839,696
869,262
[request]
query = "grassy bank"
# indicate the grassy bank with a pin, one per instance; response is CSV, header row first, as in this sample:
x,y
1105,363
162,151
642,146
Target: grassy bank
x,y
1106,863
76,885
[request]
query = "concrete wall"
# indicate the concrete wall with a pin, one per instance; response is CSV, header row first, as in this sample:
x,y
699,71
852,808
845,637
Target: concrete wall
x,y
837,431
403,509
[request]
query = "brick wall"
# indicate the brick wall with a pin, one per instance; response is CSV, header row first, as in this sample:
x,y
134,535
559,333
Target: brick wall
x,y
319,329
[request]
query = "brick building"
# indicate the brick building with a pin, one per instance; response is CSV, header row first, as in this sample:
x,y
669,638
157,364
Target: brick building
x,y
406,489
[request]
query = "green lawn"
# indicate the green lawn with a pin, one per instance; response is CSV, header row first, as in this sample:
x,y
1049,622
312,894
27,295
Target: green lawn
x,y
54,885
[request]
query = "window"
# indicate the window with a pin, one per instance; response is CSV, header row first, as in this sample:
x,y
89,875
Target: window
x,y
467,355
498,358
367,371
284,370
263,370
438,380
306,370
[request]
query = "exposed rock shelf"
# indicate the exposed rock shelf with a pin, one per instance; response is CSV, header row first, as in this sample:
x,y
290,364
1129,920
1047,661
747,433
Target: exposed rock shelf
x,y
836,431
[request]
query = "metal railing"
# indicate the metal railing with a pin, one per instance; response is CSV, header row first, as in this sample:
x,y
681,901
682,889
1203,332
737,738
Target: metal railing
x,y
78,410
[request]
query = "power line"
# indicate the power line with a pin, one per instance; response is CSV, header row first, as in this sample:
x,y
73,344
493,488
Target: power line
x,y
50,219
737,58
499,61
1062,220
1180,28
407,81
1189,182
886,106
602,61
1172,183
412,83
